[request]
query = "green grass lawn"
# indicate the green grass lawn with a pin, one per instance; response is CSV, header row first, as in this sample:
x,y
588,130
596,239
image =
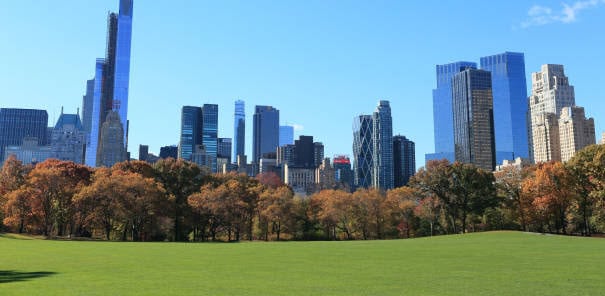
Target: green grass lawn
x,y
496,263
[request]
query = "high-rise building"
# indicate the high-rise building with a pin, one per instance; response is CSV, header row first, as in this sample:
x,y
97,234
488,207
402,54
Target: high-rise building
x,y
363,151
191,131
112,76
68,138
239,133
87,103
169,152
443,122
16,124
342,171
404,160
224,149
382,140
304,152
286,155
318,154
509,89
473,118
551,92
265,131
286,135
210,133
575,131
143,152
29,152
111,146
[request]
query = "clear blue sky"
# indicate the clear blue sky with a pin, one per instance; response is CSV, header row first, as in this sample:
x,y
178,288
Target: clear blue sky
x,y
319,62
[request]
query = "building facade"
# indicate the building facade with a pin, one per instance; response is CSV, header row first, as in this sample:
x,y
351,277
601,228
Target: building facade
x,y
68,139
169,152
443,122
191,131
382,140
286,135
224,149
29,152
239,130
551,92
210,133
265,131
111,146
509,90
363,151
16,124
404,160
143,152
575,131
473,118
343,173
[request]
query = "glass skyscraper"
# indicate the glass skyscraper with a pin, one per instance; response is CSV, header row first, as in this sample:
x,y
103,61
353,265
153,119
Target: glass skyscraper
x,y
473,118
191,131
382,135
265,131
286,135
239,132
112,76
16,124
210,133
362,151
443,122
509,88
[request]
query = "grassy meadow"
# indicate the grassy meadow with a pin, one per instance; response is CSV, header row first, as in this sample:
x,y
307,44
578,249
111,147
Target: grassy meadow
x,y
495,263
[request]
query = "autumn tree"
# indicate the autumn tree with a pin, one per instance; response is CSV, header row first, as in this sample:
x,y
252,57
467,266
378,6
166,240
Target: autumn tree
x,y
180,179
336,211
401,204
12,177
371,213
428,209
18,209
275,208
509,182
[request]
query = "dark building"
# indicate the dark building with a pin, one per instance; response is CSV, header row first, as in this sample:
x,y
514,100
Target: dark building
x,y
143,152
87,104
286,155
265,131
304,152
404,160
473,118
318,154
15,124
239,133
210,133
169,152
343,171
111,84
191,131
224,148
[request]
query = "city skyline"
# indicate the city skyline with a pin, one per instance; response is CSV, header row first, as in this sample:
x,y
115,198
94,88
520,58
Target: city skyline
x,y
298,92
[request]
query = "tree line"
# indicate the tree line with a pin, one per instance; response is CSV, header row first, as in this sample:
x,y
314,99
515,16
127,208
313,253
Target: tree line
x,y
175,200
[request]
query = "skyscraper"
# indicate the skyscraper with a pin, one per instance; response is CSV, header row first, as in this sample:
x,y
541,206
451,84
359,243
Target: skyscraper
x,y
169,152
443,122
473,118
87,102
304,152
404,160
239,133
112,76
111,147
343,171
191,131
363,151
382,140
286,135
210,133
143,152
68,138
575,131
224,149
551,92
265,131
318,153
16,124
509,89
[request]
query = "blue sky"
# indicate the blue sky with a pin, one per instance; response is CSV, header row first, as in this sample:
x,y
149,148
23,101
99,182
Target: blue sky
x,y
319,62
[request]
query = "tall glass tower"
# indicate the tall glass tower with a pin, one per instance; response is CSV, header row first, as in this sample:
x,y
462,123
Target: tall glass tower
x,y
443,122
265,131
473,118
363,151
382,140
509,88
239,132
113,78
210,133
191,131
286,135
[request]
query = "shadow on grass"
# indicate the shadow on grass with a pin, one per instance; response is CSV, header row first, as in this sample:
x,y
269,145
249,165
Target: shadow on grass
x,y
9,276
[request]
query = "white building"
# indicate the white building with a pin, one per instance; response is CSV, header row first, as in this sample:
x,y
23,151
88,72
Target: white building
x,y
575,131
